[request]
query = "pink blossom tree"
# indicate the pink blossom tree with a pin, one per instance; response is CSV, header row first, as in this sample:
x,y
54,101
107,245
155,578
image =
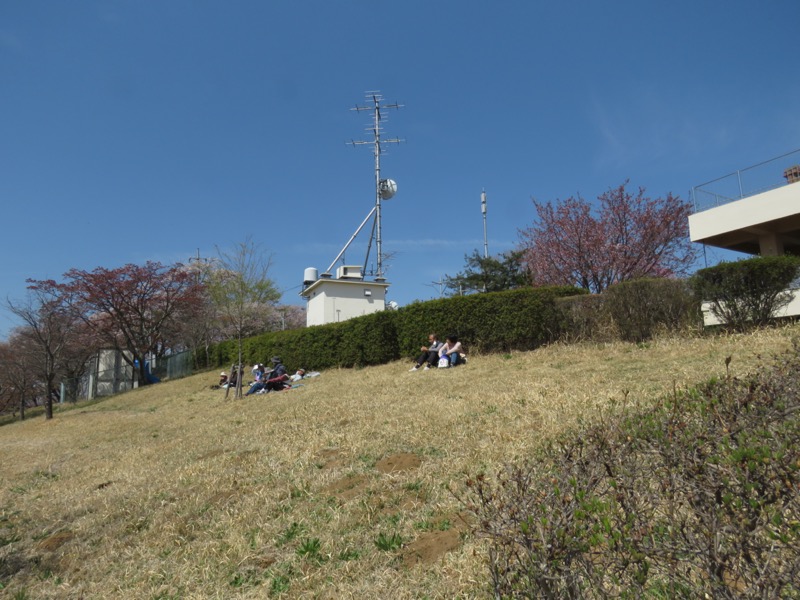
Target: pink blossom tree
x,y
628,236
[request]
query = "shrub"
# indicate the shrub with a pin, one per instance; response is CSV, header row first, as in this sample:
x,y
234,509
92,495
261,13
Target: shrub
x,y
521,319
641,307
369,340
585,318
695,497
747,292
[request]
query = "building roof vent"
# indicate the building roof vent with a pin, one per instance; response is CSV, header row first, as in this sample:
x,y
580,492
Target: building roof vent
x,y
792,174
349,272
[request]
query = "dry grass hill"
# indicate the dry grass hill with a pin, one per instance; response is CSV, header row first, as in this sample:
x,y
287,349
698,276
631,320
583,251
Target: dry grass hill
x,y
341,488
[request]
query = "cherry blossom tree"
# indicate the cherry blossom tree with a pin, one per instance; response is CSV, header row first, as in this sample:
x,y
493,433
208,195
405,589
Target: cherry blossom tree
x,y
628,236
134,308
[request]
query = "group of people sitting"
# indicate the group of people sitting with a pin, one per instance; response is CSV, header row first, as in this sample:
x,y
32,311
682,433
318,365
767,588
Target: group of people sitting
x,y
449,353
440,354
274,379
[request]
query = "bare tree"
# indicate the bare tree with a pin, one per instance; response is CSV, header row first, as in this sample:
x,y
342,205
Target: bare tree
x,y
204,329
19,357
243,293
49,323
289,316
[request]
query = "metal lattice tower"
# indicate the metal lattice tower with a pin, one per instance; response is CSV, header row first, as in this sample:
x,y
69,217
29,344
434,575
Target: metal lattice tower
x,y
377,106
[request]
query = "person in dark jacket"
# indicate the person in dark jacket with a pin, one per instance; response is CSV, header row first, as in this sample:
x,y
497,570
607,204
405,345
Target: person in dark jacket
x,y
274,380
277,379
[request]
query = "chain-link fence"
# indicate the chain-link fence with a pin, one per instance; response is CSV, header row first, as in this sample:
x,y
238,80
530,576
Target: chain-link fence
x,y
109,373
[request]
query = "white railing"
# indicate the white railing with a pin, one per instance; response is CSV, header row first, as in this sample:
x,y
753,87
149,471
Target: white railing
x,y
740,184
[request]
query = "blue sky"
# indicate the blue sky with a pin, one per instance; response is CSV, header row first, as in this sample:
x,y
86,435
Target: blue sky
x,y
143,130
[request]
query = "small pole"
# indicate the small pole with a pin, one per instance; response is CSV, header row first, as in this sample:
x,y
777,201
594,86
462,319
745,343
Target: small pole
x,y
485,239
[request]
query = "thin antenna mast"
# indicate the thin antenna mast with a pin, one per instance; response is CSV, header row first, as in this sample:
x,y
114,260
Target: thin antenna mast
x,y
383,191
485,239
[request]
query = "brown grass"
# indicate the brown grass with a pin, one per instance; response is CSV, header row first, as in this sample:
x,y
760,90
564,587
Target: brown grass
x,y
171,492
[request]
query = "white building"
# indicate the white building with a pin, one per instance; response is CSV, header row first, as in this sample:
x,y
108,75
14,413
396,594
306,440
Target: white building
x,y
348,295
752,211
766,223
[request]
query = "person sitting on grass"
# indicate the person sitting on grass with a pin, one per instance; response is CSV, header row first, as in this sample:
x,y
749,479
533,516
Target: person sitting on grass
x,y
259,384
430,353
451,350
258,372
273,381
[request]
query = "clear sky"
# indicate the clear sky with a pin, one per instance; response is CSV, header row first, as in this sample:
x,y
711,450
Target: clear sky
x,y
135,130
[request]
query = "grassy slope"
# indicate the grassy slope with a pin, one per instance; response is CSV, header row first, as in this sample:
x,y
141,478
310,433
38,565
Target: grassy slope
x,y
170,492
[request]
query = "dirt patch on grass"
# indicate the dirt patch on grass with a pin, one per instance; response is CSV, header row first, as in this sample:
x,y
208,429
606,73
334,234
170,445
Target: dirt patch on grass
x,y
405,461
329,458
346,488
430,546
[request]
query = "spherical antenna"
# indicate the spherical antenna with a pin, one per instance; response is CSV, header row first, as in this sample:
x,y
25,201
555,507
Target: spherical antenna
x,y
387,188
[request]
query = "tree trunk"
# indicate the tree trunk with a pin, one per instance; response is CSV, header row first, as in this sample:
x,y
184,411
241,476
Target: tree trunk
x,y
48,404
142,373
241,369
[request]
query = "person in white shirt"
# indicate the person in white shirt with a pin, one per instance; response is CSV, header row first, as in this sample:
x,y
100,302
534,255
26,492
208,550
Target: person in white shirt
x,y
451,349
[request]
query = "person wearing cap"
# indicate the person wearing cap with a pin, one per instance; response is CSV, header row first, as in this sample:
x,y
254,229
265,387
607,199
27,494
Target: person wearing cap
x,y
258,372
277,378
274,380
260,382
223,379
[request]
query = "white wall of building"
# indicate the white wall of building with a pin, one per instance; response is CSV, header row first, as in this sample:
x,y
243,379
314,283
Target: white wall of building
x,y
336,300
790,310
748,214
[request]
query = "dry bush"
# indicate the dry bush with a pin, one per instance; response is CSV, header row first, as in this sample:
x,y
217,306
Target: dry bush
x,y
586,319
696,496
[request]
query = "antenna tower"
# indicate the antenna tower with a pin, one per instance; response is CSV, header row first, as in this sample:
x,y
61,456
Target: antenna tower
x,y
384,188
485,239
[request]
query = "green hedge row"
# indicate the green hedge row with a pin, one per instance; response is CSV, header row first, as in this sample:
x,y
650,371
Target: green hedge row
x,y
521,319
632,311
749,292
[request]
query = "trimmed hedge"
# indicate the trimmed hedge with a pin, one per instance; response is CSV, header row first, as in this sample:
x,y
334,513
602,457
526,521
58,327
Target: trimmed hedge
x,y
521,319
747,292
515,320
641,307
